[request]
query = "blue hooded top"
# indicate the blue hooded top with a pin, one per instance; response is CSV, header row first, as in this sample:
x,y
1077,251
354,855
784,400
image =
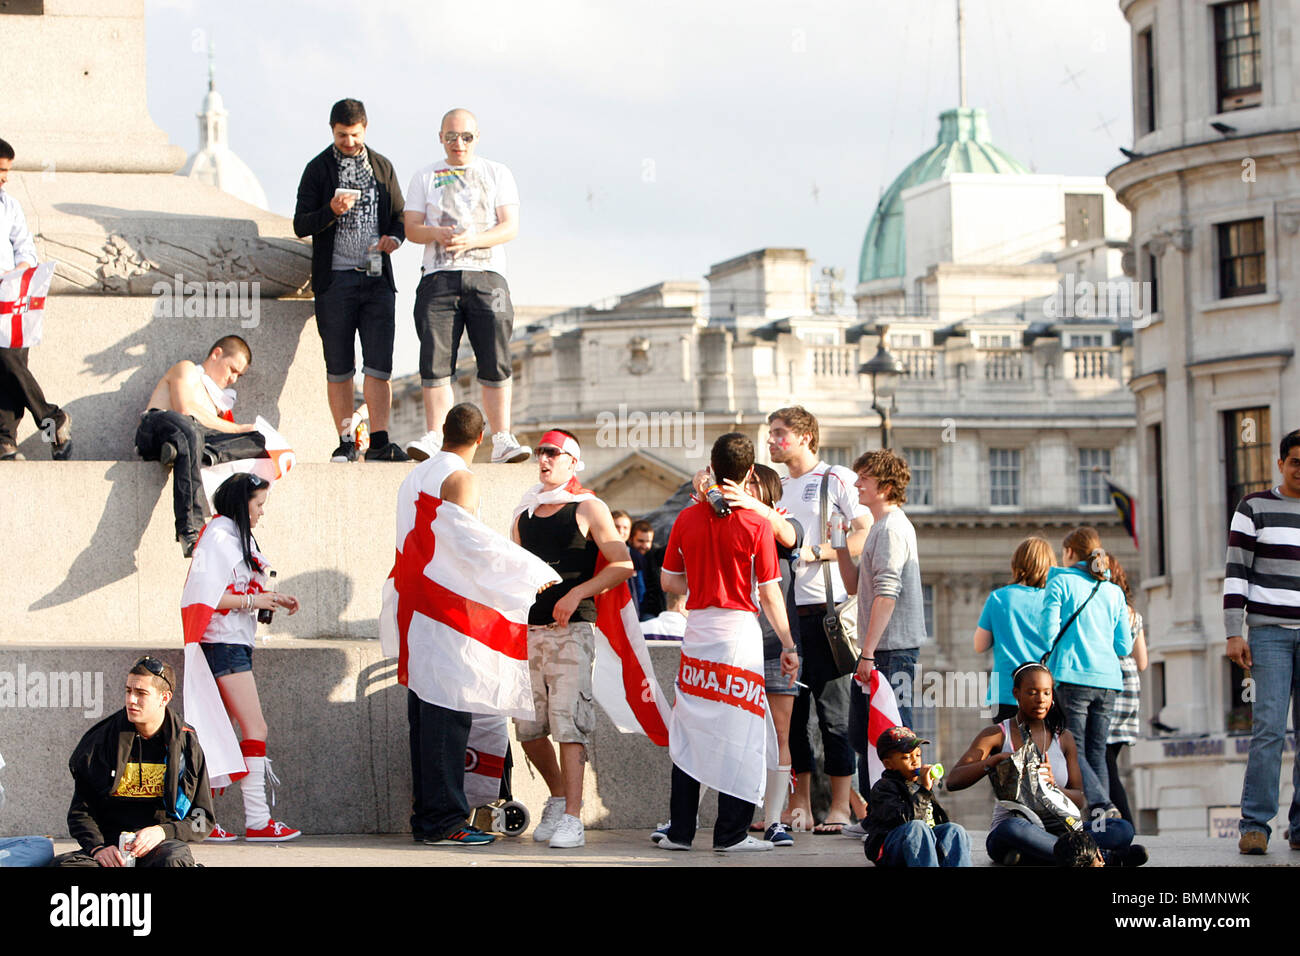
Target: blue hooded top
x,y
1088,653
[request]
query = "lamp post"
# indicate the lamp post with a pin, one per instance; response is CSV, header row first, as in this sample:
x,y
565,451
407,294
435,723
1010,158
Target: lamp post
x,y
884,370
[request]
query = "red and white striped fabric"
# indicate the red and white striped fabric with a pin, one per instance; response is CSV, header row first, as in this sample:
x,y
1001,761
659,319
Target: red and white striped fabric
x,y
622,681
881,715
485,759
280,459
722,733
22,305
215,556
455,609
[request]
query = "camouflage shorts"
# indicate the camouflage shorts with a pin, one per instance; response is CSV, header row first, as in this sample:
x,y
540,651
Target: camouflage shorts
x,y
559,665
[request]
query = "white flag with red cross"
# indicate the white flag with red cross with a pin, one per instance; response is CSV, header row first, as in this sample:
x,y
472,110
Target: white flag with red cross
x,y
881,715
22,305
279,459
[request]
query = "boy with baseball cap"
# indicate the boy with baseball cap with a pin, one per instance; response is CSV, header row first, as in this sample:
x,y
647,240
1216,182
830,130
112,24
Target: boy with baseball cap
x,y
905,824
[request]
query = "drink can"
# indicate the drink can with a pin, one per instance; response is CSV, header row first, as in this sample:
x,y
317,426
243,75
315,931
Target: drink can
x,y
124,841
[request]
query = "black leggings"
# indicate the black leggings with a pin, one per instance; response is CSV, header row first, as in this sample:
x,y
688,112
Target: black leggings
x,y
1117,794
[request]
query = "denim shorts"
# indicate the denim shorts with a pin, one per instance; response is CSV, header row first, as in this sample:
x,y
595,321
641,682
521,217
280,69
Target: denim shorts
x,y
356,304
226,659
777,683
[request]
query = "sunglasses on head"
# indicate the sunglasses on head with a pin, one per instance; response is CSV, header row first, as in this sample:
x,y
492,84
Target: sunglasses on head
x,y
154,667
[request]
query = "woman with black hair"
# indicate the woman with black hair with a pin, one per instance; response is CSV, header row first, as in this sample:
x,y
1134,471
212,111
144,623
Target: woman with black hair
x,y
226,589
1013,839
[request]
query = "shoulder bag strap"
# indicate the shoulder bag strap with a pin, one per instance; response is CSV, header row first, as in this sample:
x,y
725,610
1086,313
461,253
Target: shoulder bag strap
x,y
1061,633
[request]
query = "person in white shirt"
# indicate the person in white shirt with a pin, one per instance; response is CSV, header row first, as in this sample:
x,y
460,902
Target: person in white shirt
x,y
464,209
671,624
792,441
19,390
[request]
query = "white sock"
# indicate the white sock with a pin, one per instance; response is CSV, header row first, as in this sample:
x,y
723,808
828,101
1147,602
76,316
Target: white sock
x,y
778,791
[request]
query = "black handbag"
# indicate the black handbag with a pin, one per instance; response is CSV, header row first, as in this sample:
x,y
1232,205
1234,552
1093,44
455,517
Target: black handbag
x,y
841,621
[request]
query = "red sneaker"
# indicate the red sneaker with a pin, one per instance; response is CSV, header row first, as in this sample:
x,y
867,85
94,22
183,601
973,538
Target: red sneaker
x,y
273,832
220,835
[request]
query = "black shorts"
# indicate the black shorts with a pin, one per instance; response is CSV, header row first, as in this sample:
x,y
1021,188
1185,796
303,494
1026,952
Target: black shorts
x,y
356,302
448,303
226,659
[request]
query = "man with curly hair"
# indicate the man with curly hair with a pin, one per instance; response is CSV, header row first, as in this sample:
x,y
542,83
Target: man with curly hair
x,y
891,612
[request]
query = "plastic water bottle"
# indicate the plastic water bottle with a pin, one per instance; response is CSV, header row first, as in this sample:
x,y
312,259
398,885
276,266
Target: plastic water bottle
x,y
719,503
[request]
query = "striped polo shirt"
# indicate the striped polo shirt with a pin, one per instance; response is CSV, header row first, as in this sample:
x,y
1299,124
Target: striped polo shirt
x,y
1262,581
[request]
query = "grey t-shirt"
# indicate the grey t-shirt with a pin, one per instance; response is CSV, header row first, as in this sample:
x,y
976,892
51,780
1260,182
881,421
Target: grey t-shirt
x,y
889,568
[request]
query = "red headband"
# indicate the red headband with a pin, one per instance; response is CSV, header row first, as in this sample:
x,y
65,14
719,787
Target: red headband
x,y
564,442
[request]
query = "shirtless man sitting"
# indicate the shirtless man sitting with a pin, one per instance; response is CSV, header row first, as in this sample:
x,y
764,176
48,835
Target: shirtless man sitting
x,y
189,423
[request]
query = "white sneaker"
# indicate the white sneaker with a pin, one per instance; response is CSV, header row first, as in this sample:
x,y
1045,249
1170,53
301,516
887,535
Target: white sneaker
x,y
426,446
667,844
747,845
569,833
551,814
507,451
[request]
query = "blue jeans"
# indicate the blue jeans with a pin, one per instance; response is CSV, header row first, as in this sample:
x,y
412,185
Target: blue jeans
x,y
916,844
1034,844
26,851
1275,653
1087,717
891,664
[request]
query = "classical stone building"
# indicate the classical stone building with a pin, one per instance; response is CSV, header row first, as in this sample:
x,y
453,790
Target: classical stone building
x,y
1013,405
1214,187
214,162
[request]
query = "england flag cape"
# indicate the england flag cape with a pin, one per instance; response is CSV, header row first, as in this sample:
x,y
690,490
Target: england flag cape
x,y
881,715
22,305
623,681
279,459
455,607
215,556
722,732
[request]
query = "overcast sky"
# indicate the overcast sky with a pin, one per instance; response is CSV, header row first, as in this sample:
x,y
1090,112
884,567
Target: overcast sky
x,y
650,140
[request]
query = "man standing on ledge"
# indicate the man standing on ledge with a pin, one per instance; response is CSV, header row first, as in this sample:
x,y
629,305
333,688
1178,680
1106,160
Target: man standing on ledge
x,y
350,204
568,527
464,209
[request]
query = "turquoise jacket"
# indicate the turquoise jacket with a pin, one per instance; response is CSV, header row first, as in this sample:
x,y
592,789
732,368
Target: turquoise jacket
x,y
1088,653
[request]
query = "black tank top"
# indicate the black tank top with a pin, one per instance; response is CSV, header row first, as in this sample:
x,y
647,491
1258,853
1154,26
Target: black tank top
x,y
559,542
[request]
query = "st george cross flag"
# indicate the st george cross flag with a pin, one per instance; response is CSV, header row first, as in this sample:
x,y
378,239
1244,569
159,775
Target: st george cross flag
x,y
280,458
881,715
722,733
215,556
22,305
455,611
485,759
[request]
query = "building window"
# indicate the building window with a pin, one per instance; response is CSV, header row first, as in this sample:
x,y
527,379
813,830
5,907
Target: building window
x,y
1158,500
1153,280
1083,218
1094,466
1236,54
1078,341
1247,451
1241,258
996,340
841,455
927,608
1237,716
1004,476
920,461
1144,74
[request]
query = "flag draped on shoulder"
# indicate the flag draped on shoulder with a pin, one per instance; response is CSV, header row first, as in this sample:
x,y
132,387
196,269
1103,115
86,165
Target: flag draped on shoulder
x,y
215,556
881,715
275,465
623,682
455,608
22,305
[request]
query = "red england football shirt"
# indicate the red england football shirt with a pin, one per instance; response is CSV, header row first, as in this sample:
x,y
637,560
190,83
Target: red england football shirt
x,y
721,557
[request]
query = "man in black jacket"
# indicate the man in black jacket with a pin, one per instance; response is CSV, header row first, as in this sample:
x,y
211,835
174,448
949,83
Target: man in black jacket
x,y
905,824
139,771
349,202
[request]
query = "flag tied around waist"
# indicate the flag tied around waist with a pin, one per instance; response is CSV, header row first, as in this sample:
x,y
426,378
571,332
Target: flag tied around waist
x,y
22,305
722,733
277,463
215,556
881,715
455,610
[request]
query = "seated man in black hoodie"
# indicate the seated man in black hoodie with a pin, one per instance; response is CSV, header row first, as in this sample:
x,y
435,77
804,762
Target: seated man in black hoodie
x,y
905,824
139,771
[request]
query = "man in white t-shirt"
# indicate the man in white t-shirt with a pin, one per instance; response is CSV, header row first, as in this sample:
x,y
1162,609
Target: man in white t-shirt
x,y
464,209
792,441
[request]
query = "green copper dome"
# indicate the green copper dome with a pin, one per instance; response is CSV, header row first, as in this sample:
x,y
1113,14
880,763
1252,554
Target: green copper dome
x,y
963,147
